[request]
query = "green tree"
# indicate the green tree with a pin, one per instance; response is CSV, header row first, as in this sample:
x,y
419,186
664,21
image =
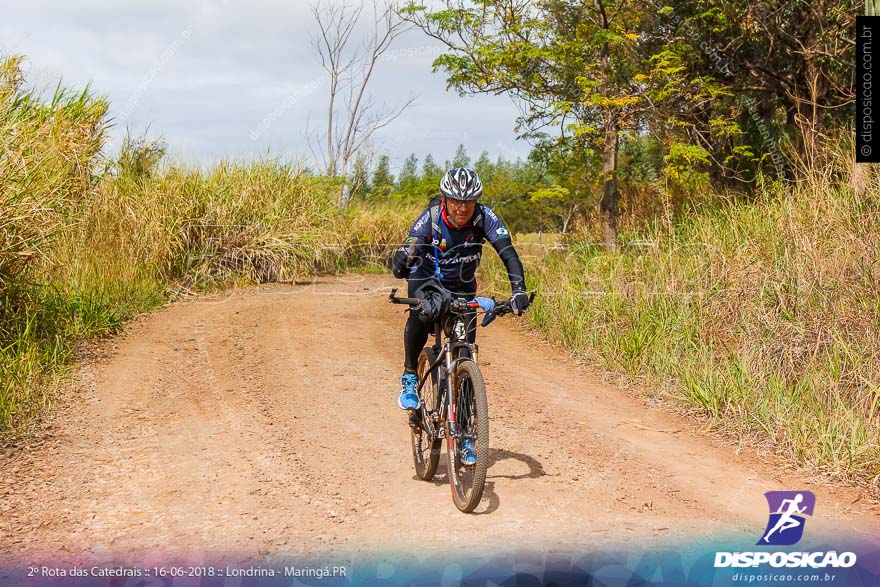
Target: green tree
x,y
794,56
641,164
484,168
572,64
509,192
431,175
461,158
431,170
765,69
407,181
557,201
572,180
383,180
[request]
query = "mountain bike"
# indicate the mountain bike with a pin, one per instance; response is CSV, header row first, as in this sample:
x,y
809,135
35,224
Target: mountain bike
x,y
453,403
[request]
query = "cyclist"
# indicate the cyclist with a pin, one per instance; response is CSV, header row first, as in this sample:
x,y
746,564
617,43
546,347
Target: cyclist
x,y
444,245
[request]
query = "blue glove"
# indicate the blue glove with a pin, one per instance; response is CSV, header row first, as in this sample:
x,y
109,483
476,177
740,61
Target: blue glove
x,y
486,304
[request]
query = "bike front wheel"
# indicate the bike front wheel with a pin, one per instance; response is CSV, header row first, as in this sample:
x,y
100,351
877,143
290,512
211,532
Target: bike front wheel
x,y
471,421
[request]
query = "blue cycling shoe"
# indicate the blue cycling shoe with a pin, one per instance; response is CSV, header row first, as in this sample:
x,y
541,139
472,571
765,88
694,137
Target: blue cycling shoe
x,y
468,452
409,399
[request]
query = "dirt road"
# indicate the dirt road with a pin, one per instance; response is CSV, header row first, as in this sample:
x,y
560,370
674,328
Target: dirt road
x,y
264,421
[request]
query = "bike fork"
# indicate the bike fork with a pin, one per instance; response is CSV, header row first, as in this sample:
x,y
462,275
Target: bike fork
x,y
453,427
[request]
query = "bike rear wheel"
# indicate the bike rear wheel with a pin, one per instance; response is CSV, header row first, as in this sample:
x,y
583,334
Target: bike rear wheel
x,y
426,452
472,421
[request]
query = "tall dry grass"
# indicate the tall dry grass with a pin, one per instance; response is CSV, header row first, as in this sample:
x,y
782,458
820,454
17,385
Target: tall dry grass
x,y
47,152
87,242
762,316
48,148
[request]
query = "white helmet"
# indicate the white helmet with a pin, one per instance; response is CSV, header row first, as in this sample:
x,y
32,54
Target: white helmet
x,y
461,183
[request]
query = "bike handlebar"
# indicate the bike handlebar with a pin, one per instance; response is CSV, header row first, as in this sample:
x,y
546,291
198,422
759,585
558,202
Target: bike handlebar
x,y
460,304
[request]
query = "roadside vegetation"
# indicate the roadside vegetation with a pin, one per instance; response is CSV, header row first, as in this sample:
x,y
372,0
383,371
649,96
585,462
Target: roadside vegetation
x,y
87,242
761,316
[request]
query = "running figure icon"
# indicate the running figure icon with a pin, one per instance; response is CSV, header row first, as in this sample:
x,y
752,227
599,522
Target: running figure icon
x,y
787,519
788,512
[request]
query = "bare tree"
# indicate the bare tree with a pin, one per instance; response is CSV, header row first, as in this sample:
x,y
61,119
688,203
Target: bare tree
x,y
353,116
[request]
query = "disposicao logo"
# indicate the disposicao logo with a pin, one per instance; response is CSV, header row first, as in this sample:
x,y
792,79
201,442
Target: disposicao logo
x,y
787,509
784,528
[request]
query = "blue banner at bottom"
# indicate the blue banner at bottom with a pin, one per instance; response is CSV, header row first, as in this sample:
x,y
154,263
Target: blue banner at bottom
x,y
830,563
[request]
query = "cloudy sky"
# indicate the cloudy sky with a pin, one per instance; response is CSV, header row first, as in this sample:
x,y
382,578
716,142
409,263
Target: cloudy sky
x,y
229,78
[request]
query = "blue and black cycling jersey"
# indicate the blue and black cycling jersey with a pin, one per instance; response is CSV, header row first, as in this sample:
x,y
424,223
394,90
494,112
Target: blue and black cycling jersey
x,y
453,253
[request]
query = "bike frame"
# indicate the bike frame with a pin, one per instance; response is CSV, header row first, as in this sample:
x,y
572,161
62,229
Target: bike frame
x,y
448,354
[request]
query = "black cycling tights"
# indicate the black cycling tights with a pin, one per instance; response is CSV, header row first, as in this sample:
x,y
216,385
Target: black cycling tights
x,y
416,332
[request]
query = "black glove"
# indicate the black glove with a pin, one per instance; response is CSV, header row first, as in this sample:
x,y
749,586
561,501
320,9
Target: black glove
x,y
400,265
436,301
519,301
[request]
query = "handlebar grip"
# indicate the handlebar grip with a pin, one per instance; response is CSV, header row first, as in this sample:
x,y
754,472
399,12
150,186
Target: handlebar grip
x,y
407,301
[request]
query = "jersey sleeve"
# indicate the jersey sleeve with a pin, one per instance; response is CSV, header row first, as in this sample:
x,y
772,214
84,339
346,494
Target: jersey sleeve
x,y
418,236
421,228
493,226
498,235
